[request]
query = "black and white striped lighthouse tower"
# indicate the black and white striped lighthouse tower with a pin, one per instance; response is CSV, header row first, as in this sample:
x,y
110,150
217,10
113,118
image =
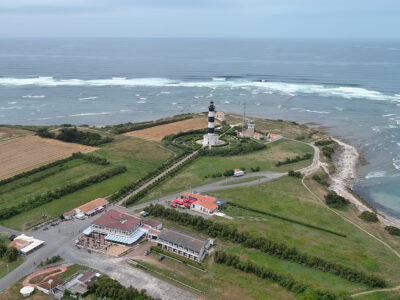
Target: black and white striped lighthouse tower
x,y
211,138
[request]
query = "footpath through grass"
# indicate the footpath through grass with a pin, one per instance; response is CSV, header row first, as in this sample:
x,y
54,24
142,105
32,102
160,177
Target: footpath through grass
x,y
287,197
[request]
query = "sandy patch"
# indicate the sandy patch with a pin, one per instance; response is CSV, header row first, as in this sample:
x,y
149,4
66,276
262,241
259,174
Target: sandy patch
x,y
23,154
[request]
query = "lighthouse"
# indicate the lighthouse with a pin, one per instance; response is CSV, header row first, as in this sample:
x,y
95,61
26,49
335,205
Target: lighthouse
x,y
211,138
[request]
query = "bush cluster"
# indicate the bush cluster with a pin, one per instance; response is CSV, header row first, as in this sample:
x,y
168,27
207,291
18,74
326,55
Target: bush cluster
x,y
393,230
320,180
73,135
336,201
39,200
107,288
178,257
292,173
8,254
242,148
126,127
328,151
369,216
323,143
285,281
90,158
270,247
294,160
50,260
226,173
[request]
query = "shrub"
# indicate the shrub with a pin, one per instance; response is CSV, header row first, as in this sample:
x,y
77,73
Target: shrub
x,y
294,160
295,174
336,201
393,230
369,216
323,143
328,151
320,180
44,133
11,254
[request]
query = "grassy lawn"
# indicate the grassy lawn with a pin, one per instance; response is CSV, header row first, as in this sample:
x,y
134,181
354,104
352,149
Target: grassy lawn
x,y
24,189
317,279
194,175
287,197
380,296
137,155
11,266
219,282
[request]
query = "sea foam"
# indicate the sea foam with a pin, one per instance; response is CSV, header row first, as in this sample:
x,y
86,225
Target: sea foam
x,y
290,89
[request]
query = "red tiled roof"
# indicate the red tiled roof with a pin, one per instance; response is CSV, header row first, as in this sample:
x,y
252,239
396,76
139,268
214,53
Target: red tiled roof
x,y
152,223
87,276
19,244
154,232
274,136
205,201
117,220
92,205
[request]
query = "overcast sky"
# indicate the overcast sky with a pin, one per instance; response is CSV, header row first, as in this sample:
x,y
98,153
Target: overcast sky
x,y
201,18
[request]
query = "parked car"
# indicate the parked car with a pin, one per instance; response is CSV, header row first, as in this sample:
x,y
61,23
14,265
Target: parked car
x,y
11,237
161,257
147,252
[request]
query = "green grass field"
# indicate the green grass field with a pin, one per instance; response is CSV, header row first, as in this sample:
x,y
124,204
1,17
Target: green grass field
x,y
219,282
287,197
137,155
194,175
24,189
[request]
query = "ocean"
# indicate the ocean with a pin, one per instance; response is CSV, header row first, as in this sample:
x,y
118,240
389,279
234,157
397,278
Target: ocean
x,y
351,88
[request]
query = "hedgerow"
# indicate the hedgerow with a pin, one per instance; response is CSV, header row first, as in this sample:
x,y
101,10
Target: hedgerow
x,y
270,247
39,200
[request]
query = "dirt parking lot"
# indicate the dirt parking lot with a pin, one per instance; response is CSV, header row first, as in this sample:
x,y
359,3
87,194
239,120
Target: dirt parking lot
x,y
157,133
23,154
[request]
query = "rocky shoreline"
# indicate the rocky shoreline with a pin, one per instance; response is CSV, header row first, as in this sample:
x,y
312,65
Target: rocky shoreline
x,y
342,181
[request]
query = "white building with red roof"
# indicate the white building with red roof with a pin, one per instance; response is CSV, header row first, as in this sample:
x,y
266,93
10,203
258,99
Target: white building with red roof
x,y
203,203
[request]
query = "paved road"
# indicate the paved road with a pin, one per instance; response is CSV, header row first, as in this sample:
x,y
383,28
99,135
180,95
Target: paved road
x,y
60,241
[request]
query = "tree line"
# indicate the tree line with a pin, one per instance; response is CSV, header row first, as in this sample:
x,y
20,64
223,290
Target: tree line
x,y
270,247
293,160
39,200
107,288
126,127
78,155
133,199
73,135
285,281
242,148
128,188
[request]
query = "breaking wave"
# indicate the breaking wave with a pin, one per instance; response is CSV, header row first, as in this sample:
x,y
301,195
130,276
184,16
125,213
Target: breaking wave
x,y
31,96
347,92
88,98
375,174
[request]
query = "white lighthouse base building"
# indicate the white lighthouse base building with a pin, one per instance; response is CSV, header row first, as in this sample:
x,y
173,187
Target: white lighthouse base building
x,y
210,139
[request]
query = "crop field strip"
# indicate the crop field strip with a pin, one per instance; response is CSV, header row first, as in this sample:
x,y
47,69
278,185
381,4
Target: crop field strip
x,y
22,154
157,133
